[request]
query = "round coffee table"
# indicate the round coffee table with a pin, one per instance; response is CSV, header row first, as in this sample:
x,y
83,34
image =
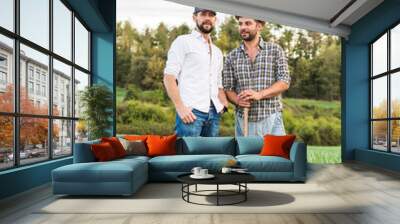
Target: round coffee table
x,y
238,179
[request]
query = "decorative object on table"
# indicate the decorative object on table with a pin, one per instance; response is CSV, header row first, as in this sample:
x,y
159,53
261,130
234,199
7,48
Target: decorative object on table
x,y
97,103
231,163
200,173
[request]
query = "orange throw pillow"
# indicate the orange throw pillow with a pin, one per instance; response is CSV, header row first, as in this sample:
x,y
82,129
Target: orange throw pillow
x,y
116,145
103,152
277,145
161,145
136,137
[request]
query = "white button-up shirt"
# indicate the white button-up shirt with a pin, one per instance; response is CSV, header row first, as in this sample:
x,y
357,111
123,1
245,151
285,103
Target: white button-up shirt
x,y
197,69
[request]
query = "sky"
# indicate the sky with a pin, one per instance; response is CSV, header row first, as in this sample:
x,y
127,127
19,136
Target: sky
x,y
151,12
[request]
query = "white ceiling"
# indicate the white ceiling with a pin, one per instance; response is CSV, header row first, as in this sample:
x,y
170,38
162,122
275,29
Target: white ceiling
x,y
315,15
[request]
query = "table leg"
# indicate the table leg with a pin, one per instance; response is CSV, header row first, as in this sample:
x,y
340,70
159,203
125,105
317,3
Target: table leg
x,y
196,188
245,193
217,194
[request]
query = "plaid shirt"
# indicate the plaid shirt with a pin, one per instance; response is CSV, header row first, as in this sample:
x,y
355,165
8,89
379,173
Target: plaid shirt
x,y
240,73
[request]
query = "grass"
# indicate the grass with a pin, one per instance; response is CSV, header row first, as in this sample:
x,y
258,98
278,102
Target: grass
x,y
324,154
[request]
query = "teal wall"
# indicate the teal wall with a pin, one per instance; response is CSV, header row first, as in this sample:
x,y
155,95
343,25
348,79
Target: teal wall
x,y
100,17
355,85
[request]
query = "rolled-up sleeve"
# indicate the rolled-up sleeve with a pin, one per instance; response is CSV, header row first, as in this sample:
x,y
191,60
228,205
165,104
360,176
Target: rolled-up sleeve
x,y
282,68
176,55
228,79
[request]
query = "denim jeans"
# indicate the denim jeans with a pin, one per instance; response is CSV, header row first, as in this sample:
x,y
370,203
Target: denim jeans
x,y
272,125
206,124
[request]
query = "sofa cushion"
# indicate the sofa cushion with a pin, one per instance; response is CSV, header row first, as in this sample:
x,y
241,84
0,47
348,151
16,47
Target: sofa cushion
x,y
161,145
112,171
206,145
249,145
116,145
137,148
277,145
185,163
103,152
257,163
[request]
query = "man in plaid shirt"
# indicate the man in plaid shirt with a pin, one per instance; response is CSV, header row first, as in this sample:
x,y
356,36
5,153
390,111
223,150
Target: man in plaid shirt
x,y
254,76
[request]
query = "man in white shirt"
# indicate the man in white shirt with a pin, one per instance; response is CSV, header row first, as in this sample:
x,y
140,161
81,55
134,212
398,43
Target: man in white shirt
x,y
193,80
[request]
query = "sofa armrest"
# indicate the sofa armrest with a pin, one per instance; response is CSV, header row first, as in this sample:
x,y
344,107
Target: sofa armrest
x,y
83,152
298,155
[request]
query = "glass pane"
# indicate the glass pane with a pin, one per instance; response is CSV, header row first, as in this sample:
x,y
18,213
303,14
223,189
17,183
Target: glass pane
x,y
7,14
6,74
33,139
379,135
35,21
81,81
34,97
62,138
395,47
62,89
6,142
395,94
62,29
395,136
379,55
379,99
81,131
81,45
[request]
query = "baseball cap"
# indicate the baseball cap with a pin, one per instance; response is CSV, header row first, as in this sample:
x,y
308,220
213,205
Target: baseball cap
x,y
197,10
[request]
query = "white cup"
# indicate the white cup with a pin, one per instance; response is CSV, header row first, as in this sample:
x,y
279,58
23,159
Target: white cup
x,y
196,171
226,170
203,172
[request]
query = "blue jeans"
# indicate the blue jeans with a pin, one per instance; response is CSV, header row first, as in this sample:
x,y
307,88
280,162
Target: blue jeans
x,y
272,125
206,124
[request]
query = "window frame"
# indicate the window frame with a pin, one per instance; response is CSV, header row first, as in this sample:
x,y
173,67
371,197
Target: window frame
x,y
388,74
16,114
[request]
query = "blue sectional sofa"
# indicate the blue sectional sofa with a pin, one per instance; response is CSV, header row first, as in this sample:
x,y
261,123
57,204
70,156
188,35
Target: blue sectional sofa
x,y
125,176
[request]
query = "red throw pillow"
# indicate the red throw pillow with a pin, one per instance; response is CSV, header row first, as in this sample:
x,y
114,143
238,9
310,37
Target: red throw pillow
x,y
116,145
161,145
103,151
277,145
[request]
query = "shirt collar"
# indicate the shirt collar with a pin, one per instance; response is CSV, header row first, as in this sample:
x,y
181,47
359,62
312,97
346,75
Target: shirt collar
x,y
261,44
198,35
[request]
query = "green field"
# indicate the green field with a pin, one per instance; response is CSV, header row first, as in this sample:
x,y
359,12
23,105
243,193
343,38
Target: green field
x,y
324,154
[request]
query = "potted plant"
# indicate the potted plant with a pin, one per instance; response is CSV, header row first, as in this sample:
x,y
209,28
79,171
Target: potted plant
x,y
96,101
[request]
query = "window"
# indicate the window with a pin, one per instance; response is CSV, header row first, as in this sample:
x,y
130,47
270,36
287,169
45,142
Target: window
x,y
62,29
44,91
385,96
62,140
38,89
7,142
81,45
30,72
62,74
7,14
6,73
30,88
54,126
35,22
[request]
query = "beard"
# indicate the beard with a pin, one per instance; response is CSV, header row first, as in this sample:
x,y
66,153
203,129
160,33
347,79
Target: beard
x,y
248,36
202,27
